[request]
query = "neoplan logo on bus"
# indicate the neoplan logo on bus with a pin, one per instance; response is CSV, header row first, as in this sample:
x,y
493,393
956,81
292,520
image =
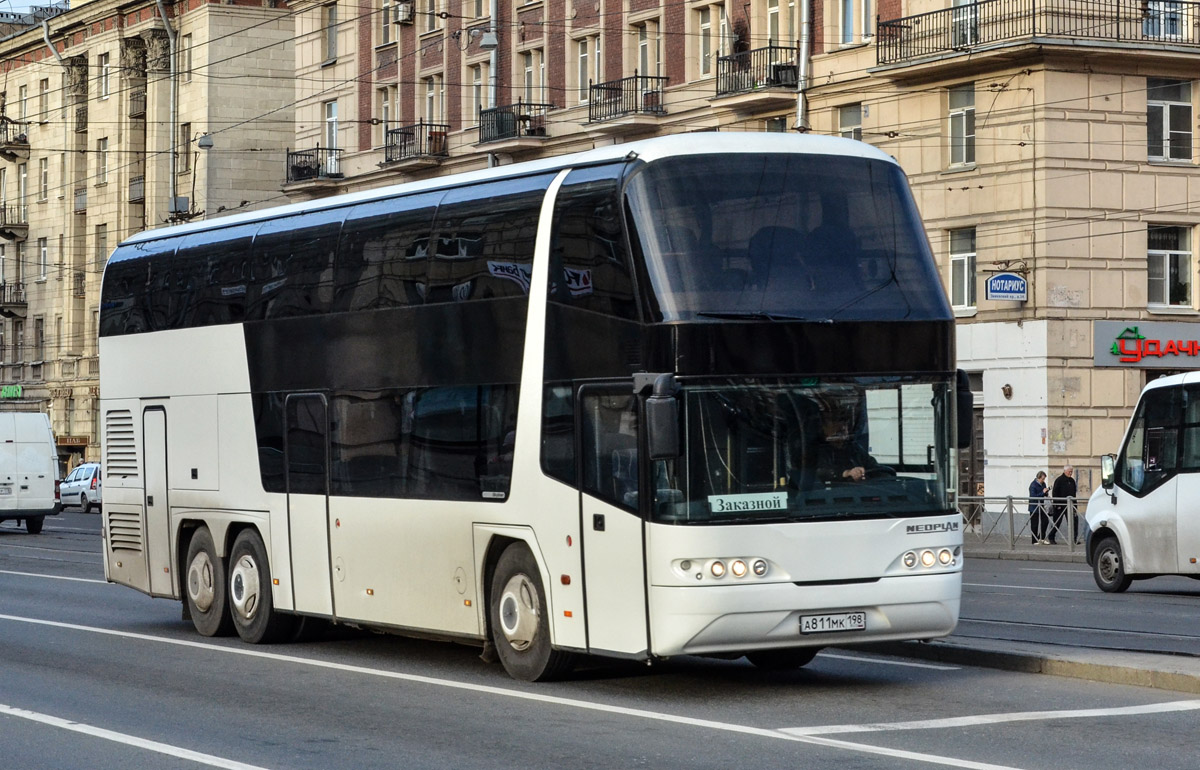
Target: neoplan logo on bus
x,y
921,529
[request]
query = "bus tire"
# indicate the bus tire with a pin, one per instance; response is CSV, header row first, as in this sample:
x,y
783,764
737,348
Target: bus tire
x,y
250,602
206,593
1108,567
33,524
783,660
520,627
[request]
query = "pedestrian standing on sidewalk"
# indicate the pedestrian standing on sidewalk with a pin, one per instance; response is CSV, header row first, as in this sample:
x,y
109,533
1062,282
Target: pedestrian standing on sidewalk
x,y
1037,508
1064,487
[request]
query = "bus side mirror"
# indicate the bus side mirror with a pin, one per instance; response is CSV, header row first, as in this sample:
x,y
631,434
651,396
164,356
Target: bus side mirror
x,y
965,407
662,419
1108,472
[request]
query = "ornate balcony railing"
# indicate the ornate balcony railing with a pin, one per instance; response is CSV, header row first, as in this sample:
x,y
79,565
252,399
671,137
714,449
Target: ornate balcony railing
x,y
317,163
420,140
13,132
12,294
14,214
774,66
966,27
137,103
137,189
513,121
81,118
80,200
627,96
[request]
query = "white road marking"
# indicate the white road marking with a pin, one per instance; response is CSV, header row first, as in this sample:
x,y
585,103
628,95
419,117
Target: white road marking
x,y
51,577
128,740
761,732
994,719
886,662
1068,571
1034,588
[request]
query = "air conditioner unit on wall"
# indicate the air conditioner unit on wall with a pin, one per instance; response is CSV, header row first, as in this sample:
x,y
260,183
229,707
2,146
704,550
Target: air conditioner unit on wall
x,y
403,13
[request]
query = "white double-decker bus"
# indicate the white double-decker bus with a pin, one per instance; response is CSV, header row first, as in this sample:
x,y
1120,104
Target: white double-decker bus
x,y
688,396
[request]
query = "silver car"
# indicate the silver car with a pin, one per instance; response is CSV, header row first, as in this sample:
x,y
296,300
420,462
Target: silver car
x,y
83,487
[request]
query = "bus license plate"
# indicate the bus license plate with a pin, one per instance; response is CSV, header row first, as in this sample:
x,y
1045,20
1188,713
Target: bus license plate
x,y
821,624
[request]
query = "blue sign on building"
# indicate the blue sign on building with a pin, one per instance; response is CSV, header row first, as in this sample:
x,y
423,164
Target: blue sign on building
x,y
1007,286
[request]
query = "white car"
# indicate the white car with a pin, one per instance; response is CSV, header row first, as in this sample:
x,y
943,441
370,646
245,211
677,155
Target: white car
x,y
83,487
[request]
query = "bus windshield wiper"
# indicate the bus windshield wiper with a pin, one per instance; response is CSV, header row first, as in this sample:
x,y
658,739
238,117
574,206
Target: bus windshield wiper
x,y
736,316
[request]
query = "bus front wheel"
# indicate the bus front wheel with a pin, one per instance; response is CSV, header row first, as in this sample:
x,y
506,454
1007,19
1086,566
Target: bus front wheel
x,y
1108,567
206,597
250,601
520,626
783,660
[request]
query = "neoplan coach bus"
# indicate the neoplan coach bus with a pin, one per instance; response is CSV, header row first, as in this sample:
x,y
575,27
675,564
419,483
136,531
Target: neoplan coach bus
x,y
693,395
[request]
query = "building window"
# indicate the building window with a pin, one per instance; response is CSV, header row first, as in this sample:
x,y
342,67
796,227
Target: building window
x,y
384,99
850,121
105,67
649,52
102,160
39,340
385,22
434,94
1168,119
962,125
1163,19
476,93
331,125
185,58
329,23
704,20
184,163
1168,266
533,73
962,267
773,22
43,258
44,99
856,21
101,246
583,48
22,182
23,103
43,178
431,15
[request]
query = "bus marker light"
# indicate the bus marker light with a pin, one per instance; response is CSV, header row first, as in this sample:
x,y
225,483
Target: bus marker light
x,y
927,558
567,614
760,567
738,568
568,541
167,570
466,602
718,569
370,592
275,581
944,556
910,560
566,580
685,565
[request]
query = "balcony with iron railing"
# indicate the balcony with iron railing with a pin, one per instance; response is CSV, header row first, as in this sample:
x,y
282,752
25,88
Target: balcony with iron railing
x,y
627,104
514,126
421,144
137,103
965,30
81,118
14,139
14,221
762,77
79,283
315,165
137,189
12,300
80,200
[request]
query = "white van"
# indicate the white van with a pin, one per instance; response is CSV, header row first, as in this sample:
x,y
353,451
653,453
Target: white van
x,y
1145,517
29,475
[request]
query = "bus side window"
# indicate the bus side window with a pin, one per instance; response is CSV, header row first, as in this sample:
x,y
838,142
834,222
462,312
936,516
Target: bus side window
x,y
1189,455
383,256
292,264
610,440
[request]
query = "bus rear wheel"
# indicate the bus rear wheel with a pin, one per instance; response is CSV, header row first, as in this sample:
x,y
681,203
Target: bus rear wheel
x,y
33,525
250,601
1108,567
783,660
520,627
206,596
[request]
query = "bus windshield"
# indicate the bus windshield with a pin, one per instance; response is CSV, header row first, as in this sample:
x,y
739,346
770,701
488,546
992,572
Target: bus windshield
x,y
786,237
779,450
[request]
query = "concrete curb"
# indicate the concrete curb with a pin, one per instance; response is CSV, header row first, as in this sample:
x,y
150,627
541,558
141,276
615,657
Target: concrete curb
x,y
1161,672
978,552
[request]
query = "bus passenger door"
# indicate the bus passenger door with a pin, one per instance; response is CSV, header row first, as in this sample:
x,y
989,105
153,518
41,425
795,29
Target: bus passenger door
x,y
614,568
158,521
306,463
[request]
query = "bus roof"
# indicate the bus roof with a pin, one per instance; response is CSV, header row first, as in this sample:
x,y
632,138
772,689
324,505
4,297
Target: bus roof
x,y
1183,378
648,150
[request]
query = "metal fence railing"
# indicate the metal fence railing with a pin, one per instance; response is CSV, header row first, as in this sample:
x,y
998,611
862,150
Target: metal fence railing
x,y
627,96
1006,521
420,140
513,121
773,66
964,27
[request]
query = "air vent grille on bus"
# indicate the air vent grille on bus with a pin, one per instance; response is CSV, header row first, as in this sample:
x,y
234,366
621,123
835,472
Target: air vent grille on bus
x,y
120,447
124,531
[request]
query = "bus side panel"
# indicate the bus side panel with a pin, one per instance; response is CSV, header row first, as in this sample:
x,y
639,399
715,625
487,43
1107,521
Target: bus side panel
x,y
1187,523
125,546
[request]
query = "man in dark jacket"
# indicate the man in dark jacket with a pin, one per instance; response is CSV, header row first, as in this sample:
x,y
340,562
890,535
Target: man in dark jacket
x,y
1064,487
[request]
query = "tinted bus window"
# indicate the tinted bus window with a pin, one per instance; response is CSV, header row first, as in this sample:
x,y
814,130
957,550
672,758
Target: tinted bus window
x,y
1150,456
128,280
211,277
292,265
383,258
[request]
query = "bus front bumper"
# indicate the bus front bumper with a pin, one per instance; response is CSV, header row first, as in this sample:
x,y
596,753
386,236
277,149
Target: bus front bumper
x,y
742,618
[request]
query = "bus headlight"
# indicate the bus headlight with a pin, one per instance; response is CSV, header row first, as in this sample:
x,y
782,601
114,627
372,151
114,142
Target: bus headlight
x,y
760,567
910,560
738,568
717,569
927,558
945,557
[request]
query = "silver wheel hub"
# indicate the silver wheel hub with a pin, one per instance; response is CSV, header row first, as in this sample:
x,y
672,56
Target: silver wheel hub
x,y
1110,565
519,612
245,587
200,585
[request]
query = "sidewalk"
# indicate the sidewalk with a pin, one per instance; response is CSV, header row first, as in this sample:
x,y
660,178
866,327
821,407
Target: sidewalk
x,y
998,548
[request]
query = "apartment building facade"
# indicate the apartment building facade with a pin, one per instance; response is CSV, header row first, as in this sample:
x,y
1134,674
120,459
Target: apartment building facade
x,y
1051,145
114,119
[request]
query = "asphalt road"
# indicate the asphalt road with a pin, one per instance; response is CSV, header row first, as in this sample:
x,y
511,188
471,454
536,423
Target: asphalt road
x,y
98,676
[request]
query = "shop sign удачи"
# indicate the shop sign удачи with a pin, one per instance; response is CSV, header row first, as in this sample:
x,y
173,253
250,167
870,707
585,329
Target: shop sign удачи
x,y
1146,344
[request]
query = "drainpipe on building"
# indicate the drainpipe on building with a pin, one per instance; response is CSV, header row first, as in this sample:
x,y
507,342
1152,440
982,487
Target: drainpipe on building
x,y
162,12
493,67
805,65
